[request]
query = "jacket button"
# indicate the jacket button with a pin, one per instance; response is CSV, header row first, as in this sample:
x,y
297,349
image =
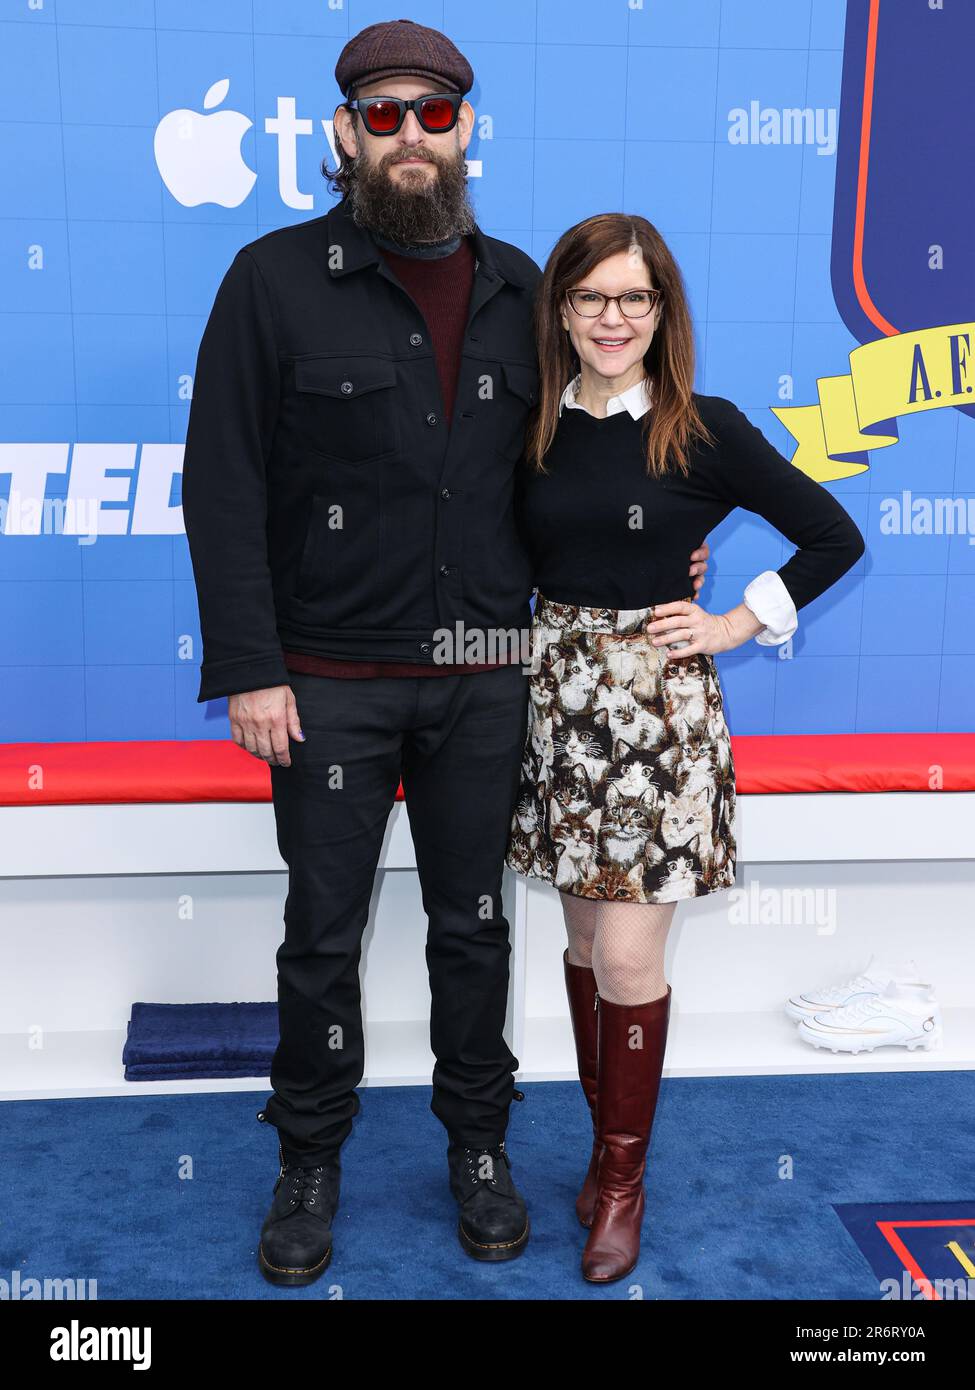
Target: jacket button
x,y
445,494
445,570
425,648
416,339
346,388
432,419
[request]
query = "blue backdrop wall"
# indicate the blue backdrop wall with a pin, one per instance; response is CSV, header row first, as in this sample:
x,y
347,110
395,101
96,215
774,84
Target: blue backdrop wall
x,y
788,154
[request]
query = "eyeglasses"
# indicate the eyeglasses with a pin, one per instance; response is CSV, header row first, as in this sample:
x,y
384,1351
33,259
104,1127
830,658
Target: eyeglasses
x,y
436,113
633,304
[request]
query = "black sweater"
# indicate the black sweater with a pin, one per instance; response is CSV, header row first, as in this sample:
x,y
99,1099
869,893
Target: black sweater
x,y
578,520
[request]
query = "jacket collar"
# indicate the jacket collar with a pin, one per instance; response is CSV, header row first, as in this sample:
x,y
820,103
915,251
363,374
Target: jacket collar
x,y
359,250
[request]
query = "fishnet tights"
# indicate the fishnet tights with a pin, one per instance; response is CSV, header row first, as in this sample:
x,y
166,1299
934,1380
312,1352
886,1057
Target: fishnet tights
x,y
623,943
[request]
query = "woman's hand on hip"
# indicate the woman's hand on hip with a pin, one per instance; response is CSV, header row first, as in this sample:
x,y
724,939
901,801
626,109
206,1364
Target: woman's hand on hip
x,y
693,628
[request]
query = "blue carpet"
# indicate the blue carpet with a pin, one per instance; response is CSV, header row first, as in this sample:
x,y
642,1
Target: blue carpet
x,y
92,1190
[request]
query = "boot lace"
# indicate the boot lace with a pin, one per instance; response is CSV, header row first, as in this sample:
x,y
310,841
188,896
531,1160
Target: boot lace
x,y
475,1168
305,1185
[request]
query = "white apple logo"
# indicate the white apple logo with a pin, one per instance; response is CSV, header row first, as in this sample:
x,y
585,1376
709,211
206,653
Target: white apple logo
x,y
199,158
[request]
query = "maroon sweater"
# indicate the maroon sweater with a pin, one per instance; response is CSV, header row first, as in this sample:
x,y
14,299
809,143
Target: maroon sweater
x,y
441,287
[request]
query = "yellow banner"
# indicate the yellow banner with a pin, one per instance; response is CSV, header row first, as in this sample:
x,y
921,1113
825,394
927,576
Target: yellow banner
x,y
901,375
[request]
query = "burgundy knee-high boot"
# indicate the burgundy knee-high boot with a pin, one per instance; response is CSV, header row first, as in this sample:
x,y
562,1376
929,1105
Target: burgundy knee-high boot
x,y
631,1040
580,986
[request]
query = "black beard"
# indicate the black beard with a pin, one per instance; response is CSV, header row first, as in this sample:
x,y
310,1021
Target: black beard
x,y
419,209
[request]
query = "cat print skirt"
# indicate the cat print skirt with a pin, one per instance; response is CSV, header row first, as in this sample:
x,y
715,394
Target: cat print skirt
x,y
627,780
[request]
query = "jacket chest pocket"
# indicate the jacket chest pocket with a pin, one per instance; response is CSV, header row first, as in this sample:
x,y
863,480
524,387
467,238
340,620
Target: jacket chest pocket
x,y
521,384
345,407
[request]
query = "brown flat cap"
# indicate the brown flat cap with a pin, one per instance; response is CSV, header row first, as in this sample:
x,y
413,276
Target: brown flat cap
x,y
401,48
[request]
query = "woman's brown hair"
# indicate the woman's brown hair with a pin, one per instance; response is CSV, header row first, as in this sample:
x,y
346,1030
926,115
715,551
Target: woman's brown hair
x,y
673,423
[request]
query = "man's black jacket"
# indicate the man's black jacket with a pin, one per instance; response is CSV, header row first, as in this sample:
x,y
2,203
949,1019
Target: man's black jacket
x,y
328,508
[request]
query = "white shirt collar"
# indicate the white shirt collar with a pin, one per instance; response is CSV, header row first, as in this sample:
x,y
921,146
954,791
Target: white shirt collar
x,y
636,399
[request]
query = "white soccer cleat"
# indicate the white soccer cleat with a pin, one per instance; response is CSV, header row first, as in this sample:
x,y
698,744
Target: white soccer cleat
x,y
873,980
894,1019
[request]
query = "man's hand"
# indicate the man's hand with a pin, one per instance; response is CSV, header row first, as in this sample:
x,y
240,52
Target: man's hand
x,y
262,720
699,564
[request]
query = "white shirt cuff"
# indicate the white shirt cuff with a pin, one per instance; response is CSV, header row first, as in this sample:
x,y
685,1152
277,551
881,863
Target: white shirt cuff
x,y
768,598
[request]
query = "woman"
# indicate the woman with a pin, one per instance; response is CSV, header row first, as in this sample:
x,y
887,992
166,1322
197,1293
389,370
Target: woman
x,y
627,796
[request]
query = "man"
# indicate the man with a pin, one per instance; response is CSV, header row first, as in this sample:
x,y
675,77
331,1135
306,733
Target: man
x,y
360,402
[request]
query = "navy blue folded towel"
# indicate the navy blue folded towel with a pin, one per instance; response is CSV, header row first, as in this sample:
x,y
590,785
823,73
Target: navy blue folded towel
x,y
186,1041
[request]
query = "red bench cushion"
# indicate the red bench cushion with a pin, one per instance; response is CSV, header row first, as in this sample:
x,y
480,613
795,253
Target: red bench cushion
x,y
34,774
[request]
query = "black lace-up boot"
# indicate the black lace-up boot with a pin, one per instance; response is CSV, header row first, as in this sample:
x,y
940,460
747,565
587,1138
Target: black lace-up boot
x,y
493,1216
296,1238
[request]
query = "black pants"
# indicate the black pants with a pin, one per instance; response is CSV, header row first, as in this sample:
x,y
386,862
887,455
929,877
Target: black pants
x,y
457,742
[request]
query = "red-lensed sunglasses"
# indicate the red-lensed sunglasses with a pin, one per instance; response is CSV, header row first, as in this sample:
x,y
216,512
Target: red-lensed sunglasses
x,y
385,115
